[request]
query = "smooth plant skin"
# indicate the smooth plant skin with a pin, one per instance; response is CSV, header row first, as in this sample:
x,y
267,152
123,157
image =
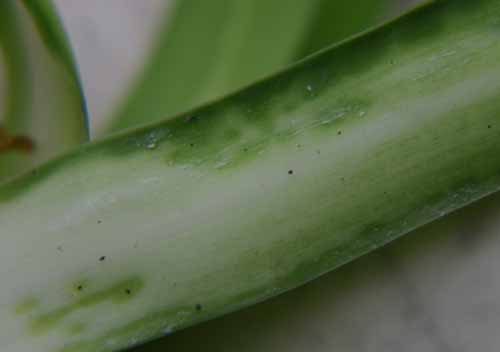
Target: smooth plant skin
x,y
158,229
379,302
44,100
210,48
50,29
16,94
332,22
336,20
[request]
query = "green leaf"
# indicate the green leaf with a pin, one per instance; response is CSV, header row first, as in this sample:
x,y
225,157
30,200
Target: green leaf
x,y
43,98
336,20
51,31
333,22
184,220
380,300
210,48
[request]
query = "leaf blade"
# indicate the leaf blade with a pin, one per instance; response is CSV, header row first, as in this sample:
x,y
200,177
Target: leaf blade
x,y
239,217
50,98
213,48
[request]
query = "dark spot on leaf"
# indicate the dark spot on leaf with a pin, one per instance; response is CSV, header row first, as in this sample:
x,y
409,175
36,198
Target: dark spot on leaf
x,y
128,291
339,133
191,119
198,307
290,172
79,287
20,143
103,258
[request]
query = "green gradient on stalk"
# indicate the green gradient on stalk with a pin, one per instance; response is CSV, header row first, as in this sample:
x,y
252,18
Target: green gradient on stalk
x,y
208,49
251,196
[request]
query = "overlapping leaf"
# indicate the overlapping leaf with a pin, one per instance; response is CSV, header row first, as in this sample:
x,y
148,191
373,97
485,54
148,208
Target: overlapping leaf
x,y
44,112
209,48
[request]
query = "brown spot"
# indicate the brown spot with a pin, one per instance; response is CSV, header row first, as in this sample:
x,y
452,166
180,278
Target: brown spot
x,y
21,143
